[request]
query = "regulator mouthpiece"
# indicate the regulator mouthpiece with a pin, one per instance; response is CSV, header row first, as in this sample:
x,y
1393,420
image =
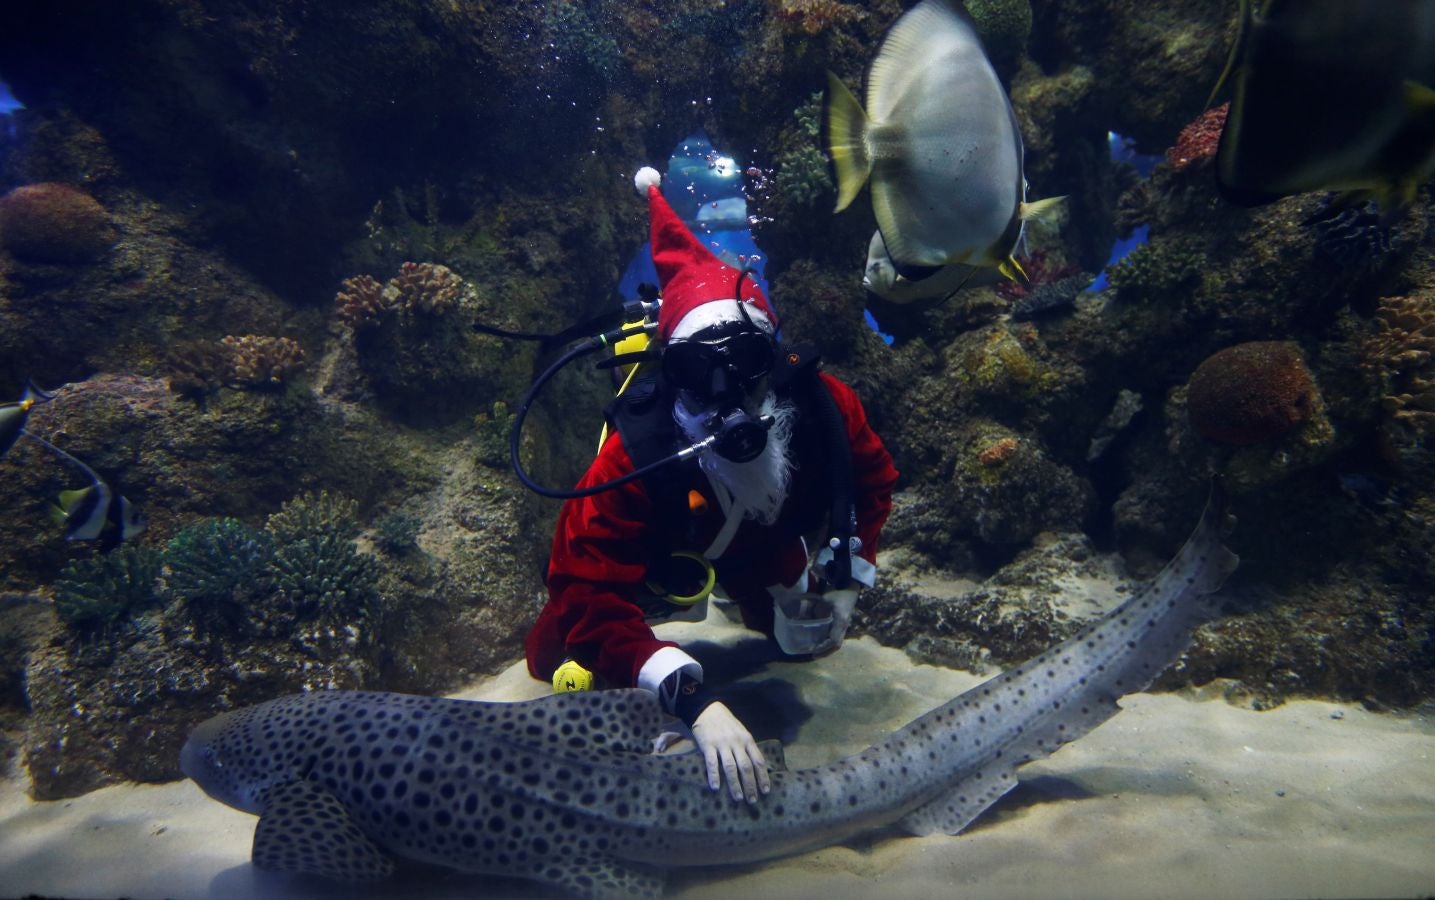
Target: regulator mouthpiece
x,y
740,436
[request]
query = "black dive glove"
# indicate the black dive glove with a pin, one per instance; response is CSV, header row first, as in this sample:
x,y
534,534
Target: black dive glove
x,y
686,696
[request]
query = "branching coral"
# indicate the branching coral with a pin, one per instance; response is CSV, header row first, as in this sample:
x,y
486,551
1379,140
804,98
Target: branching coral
x,y
316,569
311,514
1156,270
361,301
1402,352
104,590
802,177
397,533
217,568
426,288
257,361
419,288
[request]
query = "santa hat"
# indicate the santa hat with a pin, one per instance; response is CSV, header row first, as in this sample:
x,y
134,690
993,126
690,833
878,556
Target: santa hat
x,y
698,288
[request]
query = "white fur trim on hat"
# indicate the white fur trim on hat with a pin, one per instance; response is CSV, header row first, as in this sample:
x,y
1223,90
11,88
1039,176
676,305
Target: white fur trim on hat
x,y
716,312
647,177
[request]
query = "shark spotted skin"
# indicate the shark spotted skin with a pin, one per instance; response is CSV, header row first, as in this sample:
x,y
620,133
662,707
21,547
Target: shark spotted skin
x,y
566,789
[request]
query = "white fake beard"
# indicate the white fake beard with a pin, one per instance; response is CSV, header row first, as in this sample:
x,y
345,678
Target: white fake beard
x,y
758,485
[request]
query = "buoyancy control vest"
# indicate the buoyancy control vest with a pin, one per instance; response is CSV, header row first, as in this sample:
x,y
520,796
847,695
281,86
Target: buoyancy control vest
x,y
642,415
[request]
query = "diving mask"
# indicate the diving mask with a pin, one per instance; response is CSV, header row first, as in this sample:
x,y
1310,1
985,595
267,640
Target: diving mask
x,y
706,367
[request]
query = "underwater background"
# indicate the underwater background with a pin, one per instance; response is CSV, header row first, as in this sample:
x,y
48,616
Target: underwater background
x,y
244,244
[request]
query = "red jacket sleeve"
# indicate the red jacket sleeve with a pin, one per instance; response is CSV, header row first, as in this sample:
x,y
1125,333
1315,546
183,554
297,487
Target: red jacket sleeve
x,y
596,566
873,474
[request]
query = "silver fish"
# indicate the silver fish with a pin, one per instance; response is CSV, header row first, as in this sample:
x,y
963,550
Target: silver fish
x,y
565,789
938,142
882,278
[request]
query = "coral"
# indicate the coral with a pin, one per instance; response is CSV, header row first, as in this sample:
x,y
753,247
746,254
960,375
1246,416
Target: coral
x,y
1402,354
426,288
257,361
813,17
419,288
53,223
998,452
104,590
1041,298
397,533
1002,367
1197,142
492,430
1356,237
216,568
1006,489
316,569
1004,27
1251,393
197,368
809,116
802,177
361,301
1041,268
1157,270
313,514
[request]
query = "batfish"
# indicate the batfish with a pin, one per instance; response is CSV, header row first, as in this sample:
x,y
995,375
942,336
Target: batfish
x,y
939,144
1331,95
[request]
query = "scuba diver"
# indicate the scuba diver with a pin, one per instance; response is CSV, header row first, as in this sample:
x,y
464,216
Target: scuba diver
x,y
777,501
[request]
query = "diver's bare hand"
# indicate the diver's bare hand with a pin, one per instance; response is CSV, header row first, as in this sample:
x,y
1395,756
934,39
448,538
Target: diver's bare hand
x,y
729,748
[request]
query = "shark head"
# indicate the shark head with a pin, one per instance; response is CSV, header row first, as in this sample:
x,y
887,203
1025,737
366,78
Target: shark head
x,y
236,757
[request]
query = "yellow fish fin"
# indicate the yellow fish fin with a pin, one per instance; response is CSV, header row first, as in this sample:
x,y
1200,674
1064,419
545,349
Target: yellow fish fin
x,y
1041,209
844,128
1419,98
1013,270
57,515
69,499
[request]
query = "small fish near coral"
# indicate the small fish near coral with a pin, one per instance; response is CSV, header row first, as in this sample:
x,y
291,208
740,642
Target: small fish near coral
x,y
1331,95
938,142
95,512
567,789
14,414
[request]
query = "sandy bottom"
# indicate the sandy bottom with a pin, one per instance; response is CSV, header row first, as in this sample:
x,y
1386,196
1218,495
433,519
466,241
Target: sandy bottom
x,y
1174,797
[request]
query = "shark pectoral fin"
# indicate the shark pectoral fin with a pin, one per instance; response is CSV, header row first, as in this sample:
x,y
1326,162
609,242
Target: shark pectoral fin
x,y
307,830
774,754
954,810
601,876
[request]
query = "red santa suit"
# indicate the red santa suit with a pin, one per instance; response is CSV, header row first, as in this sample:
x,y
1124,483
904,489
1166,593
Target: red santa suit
x,y
604,543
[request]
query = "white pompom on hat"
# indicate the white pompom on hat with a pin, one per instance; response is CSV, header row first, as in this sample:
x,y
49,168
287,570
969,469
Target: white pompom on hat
x,y
647,177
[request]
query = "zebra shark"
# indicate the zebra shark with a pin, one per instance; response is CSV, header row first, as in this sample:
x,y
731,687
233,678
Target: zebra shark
x,y
567,789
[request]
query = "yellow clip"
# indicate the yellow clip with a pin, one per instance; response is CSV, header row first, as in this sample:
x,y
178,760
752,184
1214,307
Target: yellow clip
x,y
571,677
